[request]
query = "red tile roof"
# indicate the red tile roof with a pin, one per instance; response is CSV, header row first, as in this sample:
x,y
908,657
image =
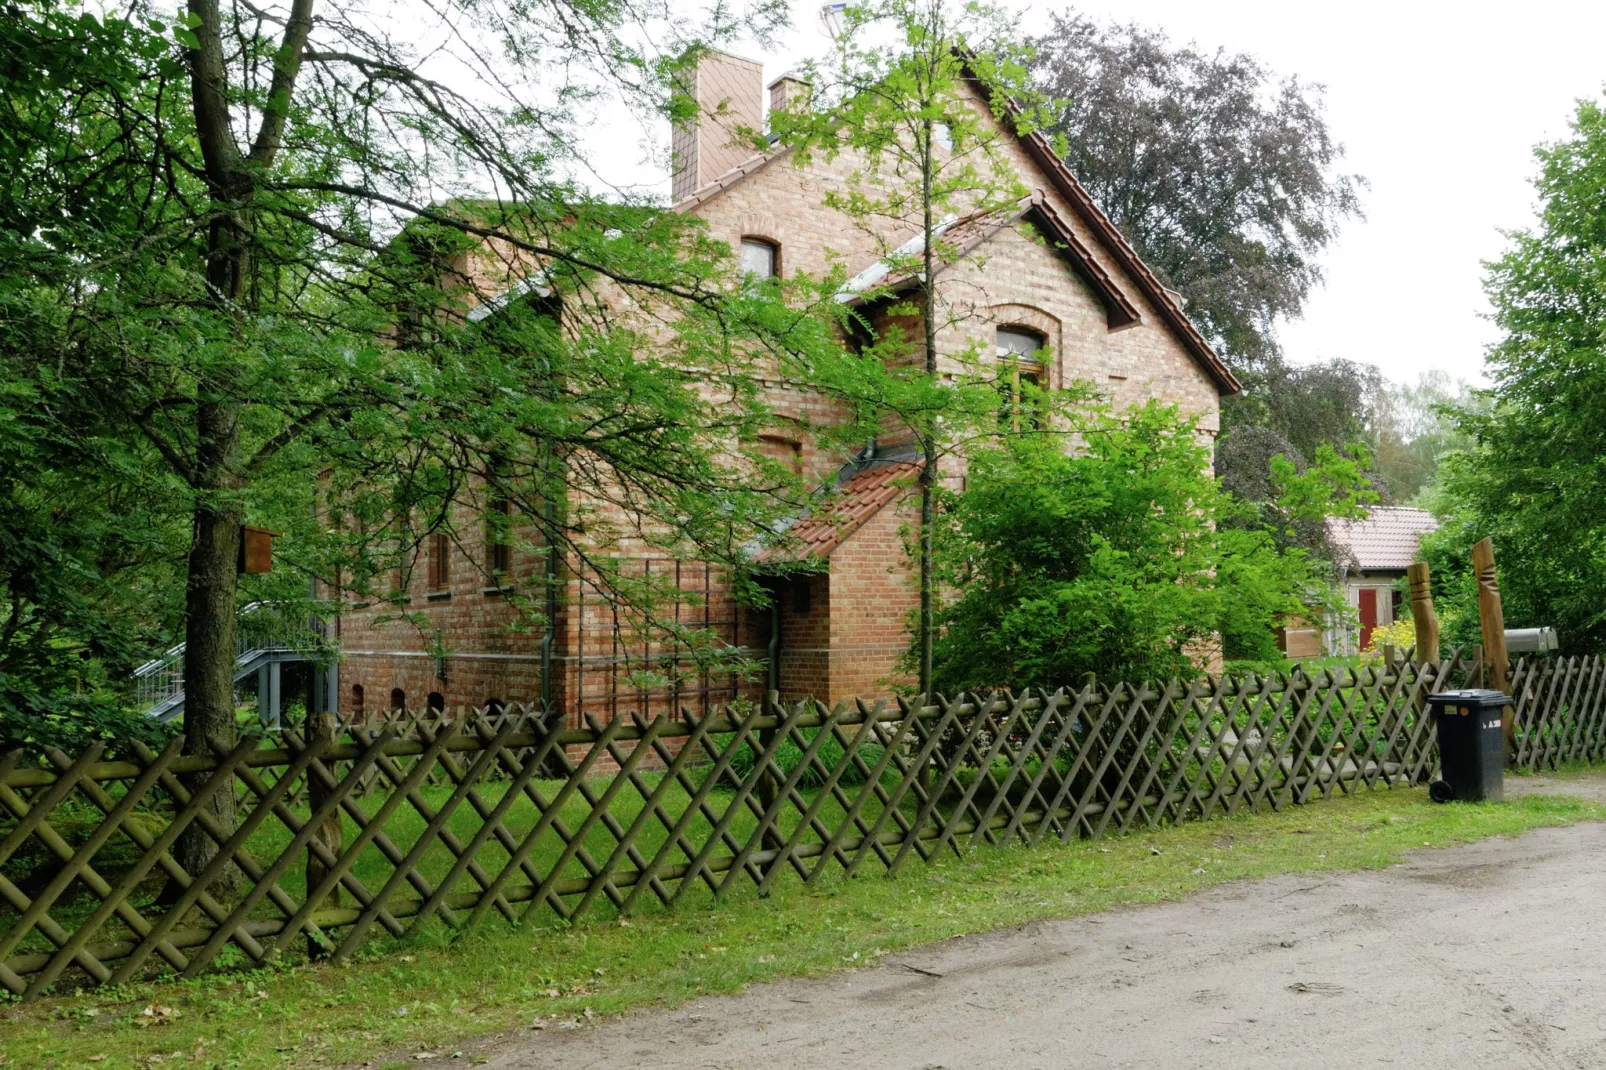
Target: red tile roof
x,y
843,512
1386,539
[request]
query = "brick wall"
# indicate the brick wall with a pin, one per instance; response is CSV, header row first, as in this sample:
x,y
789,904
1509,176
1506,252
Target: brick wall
x,y
874,590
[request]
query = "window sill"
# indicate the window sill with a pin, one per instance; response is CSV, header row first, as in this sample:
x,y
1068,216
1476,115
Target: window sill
x,y
439,596
497,592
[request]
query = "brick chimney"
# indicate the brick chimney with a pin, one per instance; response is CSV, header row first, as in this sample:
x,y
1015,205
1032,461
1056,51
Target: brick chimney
x,y
789,94
729,92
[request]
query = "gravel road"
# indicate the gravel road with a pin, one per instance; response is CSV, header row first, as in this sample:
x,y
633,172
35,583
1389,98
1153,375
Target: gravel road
x,y
1475,957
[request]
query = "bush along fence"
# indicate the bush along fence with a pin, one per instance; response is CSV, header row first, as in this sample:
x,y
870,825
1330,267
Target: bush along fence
x,y
372,832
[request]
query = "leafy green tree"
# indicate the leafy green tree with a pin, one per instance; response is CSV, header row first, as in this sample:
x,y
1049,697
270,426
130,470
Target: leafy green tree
x,y
898,96
226,262
1222,175
1534,478
1226,179
84,547
1416,426
1123,558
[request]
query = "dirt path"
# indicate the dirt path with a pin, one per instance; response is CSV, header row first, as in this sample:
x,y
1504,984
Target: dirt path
x,y
1482,956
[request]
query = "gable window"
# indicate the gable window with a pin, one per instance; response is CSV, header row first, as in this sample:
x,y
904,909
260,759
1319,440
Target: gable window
x,y
760,259
1021,374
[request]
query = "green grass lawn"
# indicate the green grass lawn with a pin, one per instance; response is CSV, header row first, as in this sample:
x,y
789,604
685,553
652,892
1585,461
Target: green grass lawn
x,y
434,996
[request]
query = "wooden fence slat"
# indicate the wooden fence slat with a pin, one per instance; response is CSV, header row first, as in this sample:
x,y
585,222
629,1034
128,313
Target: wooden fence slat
x,y
76,863
1067,728
368,829
1018,757
225,857
407,868
465,859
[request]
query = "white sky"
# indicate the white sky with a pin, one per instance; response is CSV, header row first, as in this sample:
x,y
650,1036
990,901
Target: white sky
x,y
1437,105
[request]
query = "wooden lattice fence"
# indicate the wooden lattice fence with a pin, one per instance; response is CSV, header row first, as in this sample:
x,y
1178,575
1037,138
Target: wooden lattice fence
x,y
459,818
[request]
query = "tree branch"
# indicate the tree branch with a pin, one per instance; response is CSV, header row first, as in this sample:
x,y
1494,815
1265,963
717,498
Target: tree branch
x,y
286,65
288,434
208,81
169,452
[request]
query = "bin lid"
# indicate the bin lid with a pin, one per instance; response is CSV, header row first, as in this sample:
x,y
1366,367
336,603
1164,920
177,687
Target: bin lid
x,y
1471,696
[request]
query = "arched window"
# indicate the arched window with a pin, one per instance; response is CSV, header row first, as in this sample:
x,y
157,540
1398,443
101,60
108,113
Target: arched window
x,y
398,699
761,258
493,705
436,702
1020,373
356,700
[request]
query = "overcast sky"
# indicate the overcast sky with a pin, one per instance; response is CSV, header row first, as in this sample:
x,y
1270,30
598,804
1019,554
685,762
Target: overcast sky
x,y
1437,105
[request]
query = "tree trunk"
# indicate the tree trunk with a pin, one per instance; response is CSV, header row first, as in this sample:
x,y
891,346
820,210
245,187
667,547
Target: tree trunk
x,y
928,473
215,474
209,632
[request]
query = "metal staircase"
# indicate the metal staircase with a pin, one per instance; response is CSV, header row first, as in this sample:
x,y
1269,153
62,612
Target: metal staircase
x,y
265,641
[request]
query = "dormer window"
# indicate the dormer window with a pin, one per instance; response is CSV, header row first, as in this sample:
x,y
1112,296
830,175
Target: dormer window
x,y
1020,372
760,259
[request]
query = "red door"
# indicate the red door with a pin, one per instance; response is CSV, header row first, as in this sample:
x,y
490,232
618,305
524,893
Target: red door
x,y
1368,597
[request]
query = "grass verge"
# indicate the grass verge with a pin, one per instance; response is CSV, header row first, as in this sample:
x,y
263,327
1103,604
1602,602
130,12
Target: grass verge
x,y
436,998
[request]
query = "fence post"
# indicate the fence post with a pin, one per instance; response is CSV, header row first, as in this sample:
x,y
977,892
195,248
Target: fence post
x,y
331,834
1422,614
769,783
1493,622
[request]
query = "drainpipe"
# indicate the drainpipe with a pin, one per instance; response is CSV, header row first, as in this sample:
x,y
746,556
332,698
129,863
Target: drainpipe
x,y
549,517
769,785
773,675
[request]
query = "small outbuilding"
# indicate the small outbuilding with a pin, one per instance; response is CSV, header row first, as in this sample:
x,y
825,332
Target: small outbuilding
x,y
1373,555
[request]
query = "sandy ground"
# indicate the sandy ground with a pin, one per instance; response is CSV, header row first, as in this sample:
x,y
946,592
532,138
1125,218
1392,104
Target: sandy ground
x,y
1483,956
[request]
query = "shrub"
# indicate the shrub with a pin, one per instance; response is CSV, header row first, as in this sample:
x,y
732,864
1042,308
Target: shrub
x,y
1123,558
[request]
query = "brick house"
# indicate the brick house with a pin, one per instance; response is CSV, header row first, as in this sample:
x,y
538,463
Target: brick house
x,y
1051,287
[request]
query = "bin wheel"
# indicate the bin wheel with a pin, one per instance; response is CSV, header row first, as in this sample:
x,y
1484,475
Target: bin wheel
x,y
1441,792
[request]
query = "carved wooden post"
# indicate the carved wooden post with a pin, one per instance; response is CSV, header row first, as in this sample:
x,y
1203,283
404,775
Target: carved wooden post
x,y
322,724
1422,614
1493,621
